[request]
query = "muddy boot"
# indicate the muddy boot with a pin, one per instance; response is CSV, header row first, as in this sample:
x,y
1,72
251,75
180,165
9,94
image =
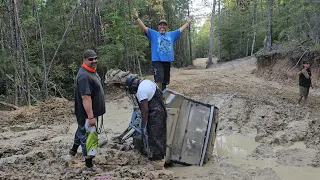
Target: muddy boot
x,y
159,164
73,150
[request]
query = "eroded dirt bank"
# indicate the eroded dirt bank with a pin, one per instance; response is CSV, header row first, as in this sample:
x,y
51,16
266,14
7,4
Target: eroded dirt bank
x,y
262,134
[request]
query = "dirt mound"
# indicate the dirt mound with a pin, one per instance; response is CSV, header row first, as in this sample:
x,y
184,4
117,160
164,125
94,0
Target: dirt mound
x,y
114,160
121,161
117,76
50,111
297,157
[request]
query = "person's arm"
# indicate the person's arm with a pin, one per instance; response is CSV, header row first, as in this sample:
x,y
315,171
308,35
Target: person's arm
x,y
183,27
141,24
87,105
305,73
144,115
299,73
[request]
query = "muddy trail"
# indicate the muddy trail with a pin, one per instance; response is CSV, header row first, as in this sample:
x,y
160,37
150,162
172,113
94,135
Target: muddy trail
x,y
261,134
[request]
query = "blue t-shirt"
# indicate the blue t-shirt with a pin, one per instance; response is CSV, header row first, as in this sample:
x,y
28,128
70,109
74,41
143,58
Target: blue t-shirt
x,y
162,44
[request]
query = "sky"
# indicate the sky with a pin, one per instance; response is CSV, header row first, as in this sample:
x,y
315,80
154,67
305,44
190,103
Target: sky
x,y
200,10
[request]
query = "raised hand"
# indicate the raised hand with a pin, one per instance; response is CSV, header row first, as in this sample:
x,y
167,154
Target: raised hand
x,y
189,20
135,14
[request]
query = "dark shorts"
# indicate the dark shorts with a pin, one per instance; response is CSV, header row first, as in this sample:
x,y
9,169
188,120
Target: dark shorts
x,y
161,72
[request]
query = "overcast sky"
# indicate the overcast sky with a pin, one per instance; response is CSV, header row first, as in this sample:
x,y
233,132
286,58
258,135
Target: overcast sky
x,y
200,10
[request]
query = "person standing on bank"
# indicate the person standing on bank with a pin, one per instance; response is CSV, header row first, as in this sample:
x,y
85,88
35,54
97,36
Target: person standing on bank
x,y
154,117
89,102
304,82
162,48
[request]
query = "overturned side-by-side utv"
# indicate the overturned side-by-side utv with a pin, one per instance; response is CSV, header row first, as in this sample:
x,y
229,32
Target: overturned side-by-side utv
x,y
191,129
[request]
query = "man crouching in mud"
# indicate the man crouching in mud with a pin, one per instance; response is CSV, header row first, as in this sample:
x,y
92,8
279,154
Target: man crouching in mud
x,y
304,82
154,117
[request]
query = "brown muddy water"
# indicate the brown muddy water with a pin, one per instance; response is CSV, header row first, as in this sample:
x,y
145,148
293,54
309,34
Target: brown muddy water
x,y
238,148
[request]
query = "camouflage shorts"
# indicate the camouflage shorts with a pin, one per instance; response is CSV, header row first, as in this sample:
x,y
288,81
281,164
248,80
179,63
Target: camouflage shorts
x,y
303,91
161,72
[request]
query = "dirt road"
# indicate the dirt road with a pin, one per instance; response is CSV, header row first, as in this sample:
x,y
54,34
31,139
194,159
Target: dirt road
x,y
262,134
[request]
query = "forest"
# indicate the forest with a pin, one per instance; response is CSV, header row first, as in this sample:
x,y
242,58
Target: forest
x,y
42,41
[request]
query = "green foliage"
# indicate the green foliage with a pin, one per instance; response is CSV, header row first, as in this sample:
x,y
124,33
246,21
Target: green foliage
x,y
102,25
292,20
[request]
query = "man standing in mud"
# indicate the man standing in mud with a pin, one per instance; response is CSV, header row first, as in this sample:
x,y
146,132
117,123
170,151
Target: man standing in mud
x,y
154,117
162,50
304,82
89,102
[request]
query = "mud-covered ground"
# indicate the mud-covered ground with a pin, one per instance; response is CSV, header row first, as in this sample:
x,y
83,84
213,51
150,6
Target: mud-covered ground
x,y
262,134
35,142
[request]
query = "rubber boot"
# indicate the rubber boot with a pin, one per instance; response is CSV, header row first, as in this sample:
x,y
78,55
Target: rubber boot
x,y
73,150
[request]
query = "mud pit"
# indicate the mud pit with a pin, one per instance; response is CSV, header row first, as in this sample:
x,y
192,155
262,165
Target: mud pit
x,y
261,133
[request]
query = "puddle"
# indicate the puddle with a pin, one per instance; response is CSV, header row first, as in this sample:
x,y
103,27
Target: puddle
x,y
72,128
17,128
115,120
237,148
252,162
234,146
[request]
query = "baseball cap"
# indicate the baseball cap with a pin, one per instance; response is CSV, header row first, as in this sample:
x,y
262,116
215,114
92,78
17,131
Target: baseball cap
x,y
163,21
89,53
306,62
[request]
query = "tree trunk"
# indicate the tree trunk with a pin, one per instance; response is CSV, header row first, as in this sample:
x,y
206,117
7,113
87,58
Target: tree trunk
x,y
261,11
279,3
96,27
254,26
3,50
269,33
134,51
219,32
190,42
2,37
20,72
247,50
20,51
211,34
253,42
12,51
45,80
125,36
316,28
